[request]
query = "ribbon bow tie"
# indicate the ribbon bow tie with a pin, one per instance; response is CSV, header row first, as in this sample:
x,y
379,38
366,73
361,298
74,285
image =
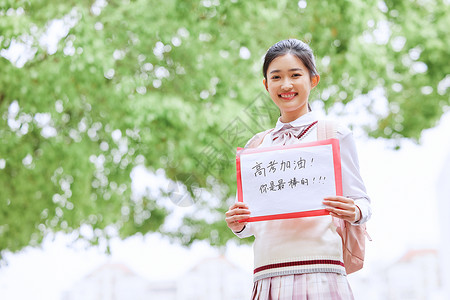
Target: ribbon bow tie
x,y
288,133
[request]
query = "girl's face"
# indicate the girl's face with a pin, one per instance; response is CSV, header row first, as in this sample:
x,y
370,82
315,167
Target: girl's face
x,y
289,84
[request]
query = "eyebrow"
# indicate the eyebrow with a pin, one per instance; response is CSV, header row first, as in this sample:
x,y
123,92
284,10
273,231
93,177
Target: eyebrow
x,y
290,70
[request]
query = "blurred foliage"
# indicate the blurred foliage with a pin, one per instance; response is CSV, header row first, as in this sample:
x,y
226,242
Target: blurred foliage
x,y
176,85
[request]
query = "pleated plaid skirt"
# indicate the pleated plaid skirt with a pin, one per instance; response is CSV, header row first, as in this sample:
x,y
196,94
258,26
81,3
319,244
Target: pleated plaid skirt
x,y
314,286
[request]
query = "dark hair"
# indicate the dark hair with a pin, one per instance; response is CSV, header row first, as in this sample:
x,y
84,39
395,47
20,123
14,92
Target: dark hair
x,y
295,47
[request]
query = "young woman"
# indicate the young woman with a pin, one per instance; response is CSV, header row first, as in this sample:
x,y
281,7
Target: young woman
x,y
301,258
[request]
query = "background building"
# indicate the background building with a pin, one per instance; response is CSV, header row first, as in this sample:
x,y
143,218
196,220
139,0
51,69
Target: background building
x,y
416,276
211,279
117,282
214,279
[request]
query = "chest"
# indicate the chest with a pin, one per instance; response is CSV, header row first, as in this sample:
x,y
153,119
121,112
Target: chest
x,y
310,136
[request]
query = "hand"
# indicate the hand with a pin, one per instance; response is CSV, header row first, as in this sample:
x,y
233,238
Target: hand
x,y
237,211
343,208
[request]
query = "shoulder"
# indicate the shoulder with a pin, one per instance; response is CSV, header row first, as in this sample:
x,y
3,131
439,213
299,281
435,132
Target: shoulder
x,y
257,139
340,130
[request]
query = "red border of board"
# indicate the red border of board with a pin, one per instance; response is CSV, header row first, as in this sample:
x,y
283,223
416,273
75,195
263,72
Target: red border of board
x,y
320,212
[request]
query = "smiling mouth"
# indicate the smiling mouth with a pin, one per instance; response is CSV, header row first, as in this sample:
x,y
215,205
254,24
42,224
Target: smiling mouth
x,y
287,96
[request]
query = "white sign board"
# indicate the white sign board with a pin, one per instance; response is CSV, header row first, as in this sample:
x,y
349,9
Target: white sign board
x,y
288,181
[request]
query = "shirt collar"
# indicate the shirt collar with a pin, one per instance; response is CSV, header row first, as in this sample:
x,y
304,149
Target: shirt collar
x,y
306,119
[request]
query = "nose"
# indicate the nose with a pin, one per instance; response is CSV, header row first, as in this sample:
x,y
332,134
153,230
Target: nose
x,y
286,85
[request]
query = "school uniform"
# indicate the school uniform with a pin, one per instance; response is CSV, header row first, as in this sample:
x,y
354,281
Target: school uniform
x,y
302,258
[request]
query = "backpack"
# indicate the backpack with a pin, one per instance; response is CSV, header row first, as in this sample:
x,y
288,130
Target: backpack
x,y
353,236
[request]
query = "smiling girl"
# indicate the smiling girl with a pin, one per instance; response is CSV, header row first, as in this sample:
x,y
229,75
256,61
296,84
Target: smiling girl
x,y
301,258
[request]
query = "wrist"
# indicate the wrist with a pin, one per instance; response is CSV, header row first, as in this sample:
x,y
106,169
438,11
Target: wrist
x,y
240,230
358,214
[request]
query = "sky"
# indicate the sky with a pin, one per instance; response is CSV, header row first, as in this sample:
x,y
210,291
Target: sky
x,y
402,185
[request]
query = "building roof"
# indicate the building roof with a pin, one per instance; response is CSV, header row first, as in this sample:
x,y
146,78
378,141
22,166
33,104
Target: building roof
x,y
412,254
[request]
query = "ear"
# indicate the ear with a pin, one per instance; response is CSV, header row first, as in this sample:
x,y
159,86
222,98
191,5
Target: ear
x,y
265,84
315,81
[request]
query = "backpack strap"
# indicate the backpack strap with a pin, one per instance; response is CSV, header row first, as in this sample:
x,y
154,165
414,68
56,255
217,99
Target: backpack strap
x,y
326,129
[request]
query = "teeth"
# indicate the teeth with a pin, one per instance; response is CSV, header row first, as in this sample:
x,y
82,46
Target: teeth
x,y
287,95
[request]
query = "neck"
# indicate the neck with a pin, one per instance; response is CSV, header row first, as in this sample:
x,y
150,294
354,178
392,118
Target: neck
x,y
290,116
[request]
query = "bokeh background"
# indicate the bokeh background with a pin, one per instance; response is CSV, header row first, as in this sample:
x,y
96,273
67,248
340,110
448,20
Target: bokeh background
x,y
120,120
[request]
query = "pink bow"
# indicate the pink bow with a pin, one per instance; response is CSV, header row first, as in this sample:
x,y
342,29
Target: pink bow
x,y
288,133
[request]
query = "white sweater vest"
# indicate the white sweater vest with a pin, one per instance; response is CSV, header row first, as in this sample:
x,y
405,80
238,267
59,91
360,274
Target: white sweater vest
x,y
296,246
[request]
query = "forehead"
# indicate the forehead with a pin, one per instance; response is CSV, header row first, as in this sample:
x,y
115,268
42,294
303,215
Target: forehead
x,y
286,62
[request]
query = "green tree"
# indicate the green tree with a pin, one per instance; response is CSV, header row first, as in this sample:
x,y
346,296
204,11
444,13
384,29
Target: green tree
x,y
176,85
